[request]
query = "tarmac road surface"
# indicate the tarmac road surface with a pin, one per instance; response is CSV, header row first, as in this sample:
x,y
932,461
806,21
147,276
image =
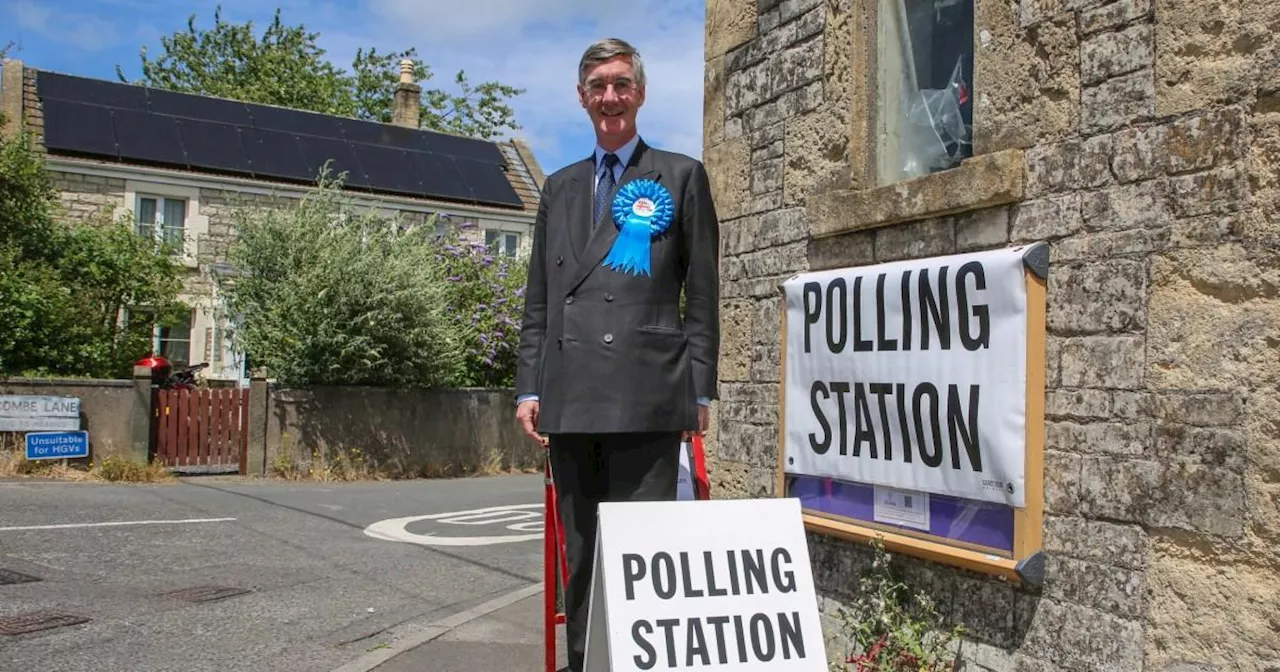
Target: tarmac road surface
x,y
327,570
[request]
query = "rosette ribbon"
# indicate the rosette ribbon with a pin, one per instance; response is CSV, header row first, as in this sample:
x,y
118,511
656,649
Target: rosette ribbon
x,y
642,210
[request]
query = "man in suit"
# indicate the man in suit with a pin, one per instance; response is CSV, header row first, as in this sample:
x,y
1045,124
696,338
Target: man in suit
x,y
611,377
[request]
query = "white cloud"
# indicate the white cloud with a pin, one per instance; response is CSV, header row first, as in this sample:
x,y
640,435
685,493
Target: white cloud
x,y
86,31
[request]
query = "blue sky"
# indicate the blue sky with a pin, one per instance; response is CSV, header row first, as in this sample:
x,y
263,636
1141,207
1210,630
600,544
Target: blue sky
x,y
532,44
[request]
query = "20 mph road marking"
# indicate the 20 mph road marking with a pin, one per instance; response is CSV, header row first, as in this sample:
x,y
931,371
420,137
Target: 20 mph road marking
x,y
65,526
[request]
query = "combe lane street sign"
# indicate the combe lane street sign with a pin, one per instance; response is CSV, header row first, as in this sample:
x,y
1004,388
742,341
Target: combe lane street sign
x,y
19,413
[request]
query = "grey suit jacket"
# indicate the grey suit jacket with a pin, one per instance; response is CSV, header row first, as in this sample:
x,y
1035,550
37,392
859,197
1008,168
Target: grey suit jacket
x,y
607,351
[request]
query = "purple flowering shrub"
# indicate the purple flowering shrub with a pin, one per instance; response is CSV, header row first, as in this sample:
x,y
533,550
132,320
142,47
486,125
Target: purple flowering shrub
x,y
486,303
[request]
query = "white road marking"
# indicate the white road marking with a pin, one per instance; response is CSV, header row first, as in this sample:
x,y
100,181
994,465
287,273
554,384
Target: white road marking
x,y
66,526
393,529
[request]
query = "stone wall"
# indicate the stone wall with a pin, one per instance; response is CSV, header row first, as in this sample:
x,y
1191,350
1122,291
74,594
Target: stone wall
x,y
110,410
405,432
1141,139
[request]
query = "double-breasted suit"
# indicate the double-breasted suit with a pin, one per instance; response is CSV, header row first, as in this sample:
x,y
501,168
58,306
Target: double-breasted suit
x,y
606,351
618,371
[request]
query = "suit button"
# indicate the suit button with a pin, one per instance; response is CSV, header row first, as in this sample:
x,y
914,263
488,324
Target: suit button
x,y
568,299
608,338
608,297
559,260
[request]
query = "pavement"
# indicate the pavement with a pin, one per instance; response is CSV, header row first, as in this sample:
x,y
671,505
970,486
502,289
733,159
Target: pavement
x,y
436,575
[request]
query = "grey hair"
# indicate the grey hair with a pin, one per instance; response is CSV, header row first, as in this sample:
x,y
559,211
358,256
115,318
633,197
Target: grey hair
x,y
603,50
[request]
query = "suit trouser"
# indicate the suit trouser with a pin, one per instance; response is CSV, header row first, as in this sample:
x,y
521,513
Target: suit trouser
x,y
593,468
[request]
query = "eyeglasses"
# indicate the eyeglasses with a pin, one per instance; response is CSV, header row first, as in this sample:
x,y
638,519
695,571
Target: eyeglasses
x,y
622,86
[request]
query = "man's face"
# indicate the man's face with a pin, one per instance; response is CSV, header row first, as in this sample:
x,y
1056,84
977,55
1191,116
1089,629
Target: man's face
x,y
611,98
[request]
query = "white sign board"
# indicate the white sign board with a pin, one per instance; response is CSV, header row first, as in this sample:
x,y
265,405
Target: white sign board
x,y
720,585
911,375
22,413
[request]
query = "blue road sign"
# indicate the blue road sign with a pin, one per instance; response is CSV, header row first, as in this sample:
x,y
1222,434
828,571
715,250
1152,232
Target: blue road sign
x,y
57,445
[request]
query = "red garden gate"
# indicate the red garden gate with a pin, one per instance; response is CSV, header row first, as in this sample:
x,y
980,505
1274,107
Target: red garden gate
x,y
202,430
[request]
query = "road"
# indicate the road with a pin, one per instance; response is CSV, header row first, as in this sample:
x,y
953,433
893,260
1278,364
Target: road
x,y
321,586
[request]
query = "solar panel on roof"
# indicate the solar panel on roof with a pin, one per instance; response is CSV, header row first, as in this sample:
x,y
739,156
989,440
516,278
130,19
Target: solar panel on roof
x,y
388,168
465,148
297,122
339,153
148,137
275,154
488,182
54,86
213,146
79,128
122,121
197,107
439,177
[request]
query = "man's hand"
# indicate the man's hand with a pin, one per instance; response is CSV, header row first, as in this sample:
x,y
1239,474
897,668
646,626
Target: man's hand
x,y
527,418
704,419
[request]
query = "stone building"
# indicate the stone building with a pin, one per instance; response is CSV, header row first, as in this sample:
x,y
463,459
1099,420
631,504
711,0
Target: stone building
x,y
179,163
1141,140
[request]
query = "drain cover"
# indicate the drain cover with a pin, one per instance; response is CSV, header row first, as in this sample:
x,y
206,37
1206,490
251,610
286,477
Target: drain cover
x,y
206,593
8,578
24,623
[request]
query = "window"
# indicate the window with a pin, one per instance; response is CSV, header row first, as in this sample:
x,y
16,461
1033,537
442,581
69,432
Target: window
x,y
502,243
163,219
174,342
924,106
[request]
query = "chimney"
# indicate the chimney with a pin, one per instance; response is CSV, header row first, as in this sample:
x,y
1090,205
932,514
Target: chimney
x,y
405,106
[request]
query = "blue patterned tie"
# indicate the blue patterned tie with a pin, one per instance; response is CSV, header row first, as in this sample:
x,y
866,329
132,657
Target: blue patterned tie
x,y
605,187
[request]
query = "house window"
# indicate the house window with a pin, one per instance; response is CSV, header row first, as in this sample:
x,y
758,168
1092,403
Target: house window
x,y
502,243
924,110
163,219
173,342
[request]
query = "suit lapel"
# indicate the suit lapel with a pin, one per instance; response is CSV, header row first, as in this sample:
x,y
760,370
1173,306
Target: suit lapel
x,y
601,240
579,220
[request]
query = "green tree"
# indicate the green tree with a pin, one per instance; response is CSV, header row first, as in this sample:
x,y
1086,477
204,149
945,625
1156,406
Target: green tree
x,y
328,294
64,289
286,67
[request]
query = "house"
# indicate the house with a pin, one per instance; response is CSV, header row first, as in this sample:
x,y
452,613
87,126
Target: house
x,y
178,162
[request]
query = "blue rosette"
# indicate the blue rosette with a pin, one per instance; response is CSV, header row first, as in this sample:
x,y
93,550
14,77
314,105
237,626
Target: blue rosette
x,y
642,210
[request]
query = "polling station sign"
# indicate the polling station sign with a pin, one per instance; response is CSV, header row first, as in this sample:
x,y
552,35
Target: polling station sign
x,y
722,585
911,374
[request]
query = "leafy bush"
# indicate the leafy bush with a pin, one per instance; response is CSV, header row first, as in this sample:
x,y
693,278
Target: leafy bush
x,y
892,628
64,288
329,295
486,302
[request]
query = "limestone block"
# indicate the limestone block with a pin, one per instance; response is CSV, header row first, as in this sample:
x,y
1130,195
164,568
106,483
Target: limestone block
x,y
1068,166
713,102
850,249
1135,242
750,403
1113,15
1111,54
1205,140
1218,191
1210,605
1062,473
1139,153
1107,588
1102,542
1046,219
728,170
1215,447
1077,637
1026,82
735,340
1119,101
1180,494
730,23
1131,439
1109,362
925,238
818,154
982,230
1210,52
1105,296
1078,405
1214,318
753,445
